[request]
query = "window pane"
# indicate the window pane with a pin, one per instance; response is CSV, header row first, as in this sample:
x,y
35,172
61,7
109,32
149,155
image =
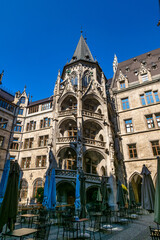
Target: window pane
x,y
125,103
144,77
149,97
143,100
156,96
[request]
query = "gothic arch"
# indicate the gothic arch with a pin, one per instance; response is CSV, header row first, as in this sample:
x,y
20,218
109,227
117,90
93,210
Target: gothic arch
x,y
66,146
66,119
92,95
60,100
94,150
94,121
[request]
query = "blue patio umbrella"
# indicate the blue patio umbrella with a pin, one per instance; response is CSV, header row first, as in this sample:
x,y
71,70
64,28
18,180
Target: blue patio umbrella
x,y
46,188
77,202
52,192
4,180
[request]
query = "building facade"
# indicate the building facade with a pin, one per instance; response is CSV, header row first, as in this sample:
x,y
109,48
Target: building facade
x,y
74,126
106,127
136,91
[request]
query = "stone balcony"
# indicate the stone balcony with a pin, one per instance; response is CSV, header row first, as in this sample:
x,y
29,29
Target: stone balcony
x,y
88,113
94,142
66,139
72,174
87,141
67,112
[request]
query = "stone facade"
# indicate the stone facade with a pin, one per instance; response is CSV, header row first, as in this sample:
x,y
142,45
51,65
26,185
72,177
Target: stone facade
x,y
136,91
105,127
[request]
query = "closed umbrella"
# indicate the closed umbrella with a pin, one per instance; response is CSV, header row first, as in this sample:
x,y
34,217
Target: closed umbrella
x,y
147,190
52,192
77,202
4,180
82,179
45,195
103,192
120,195
157,195
99,196
131,195
9,207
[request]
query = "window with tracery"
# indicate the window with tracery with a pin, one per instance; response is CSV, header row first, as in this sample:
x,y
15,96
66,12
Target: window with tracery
x,y
86,80
24,189
37,184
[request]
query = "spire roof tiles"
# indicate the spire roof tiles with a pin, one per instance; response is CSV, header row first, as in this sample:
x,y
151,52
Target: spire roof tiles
x,y
82,52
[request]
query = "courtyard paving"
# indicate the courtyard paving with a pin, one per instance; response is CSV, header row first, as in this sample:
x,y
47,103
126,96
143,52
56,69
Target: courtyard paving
x,y
136,230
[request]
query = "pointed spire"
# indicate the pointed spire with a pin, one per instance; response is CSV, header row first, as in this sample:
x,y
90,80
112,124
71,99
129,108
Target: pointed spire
x,y
82,51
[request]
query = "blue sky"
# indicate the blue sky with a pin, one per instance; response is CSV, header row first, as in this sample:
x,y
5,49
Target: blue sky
x,y
38,36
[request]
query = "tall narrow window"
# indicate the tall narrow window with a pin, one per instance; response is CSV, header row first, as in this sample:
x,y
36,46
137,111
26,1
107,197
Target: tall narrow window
x,y
45,122
122,84
155,148
156,96
38,183
129,125
149,97
150,122
24,189
143,101
132,151
158,119
125,103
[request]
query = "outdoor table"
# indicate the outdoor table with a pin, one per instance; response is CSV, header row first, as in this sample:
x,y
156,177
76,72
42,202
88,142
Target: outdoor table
x,y
21,232
30,217
78,222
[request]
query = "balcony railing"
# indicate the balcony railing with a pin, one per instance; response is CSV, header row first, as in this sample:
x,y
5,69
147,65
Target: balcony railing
x,y
94,142
66,139
67,112
73,174
92,114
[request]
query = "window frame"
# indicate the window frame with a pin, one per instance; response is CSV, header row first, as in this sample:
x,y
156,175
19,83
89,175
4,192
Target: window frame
x,y
133,151
130,125
155,147
125,105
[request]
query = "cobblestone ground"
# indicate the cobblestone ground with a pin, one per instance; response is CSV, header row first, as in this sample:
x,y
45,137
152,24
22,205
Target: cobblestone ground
x,y
136,230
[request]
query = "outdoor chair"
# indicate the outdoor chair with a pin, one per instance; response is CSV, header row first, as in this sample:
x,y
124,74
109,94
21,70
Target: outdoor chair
x,y
106,221
42,218
94,226
42,234
66,227
154,233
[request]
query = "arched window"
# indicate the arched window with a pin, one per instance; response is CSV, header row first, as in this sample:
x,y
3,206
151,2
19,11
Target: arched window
x,y
101,138
74,79
86,79
37,184
24,189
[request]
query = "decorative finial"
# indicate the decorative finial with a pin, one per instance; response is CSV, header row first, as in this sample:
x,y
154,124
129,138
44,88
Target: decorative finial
x,y
1,75
25,88
85,37
81,30
59,73
158,24
115,63
31,98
